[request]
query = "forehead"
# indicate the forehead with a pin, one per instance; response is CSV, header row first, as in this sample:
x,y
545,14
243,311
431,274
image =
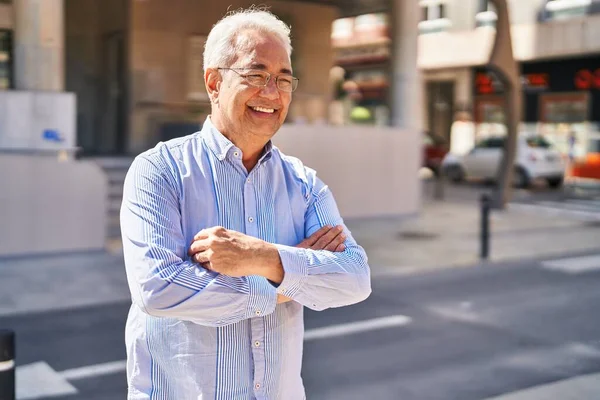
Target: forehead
x,y
258,48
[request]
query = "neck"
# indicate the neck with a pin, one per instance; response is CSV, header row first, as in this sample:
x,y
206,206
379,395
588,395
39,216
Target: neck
x,y
251,146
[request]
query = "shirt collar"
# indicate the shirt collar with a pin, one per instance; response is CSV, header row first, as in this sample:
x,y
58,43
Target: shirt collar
x,y
221,146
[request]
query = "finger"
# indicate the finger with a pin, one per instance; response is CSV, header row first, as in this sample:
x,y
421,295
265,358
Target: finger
x,y
312,239
206,232
339,239
341,247
327,238
198,246
282,299
202,258
203,234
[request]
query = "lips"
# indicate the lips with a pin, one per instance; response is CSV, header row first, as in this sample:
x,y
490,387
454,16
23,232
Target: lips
x,y
263,109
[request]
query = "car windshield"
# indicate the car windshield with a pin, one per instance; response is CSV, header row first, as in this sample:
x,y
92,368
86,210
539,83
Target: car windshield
x,y
538,142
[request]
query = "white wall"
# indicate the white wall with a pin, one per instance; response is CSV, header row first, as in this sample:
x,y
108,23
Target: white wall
x,y
49,206
371,171
552,39
26,115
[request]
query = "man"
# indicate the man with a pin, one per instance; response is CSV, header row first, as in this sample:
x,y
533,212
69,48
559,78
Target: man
x,y
226,239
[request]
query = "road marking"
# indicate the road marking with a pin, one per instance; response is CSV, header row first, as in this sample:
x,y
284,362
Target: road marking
x,y
585,215
7,365
574,265
581,387
94,370
356,327
39,380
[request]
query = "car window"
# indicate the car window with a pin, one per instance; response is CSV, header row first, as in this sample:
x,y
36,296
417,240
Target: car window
x,y
491,143
496,143
538,142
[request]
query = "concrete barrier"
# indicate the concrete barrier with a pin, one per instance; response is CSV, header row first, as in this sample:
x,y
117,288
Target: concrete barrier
x,y
50,206
372,171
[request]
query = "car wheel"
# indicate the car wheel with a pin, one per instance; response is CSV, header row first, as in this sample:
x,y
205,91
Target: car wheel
x,y
555,182
521,178
454,173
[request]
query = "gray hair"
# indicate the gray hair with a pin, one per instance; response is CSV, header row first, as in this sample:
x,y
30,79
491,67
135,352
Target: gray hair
x,y
222,45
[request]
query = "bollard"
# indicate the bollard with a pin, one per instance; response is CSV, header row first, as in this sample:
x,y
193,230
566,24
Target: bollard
x,y
485,226
438,189
7,365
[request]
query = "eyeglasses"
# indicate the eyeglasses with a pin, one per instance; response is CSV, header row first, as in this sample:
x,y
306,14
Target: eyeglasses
x,y
260,78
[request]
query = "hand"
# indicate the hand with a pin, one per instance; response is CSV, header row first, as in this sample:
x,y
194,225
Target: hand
x,y
327,238
233,253
282,299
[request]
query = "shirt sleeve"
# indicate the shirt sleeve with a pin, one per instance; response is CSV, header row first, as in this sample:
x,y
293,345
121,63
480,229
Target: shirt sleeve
x,y
162,279
321,279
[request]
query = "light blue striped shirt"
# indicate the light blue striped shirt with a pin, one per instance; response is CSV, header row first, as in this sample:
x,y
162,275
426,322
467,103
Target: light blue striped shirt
x,y
194,334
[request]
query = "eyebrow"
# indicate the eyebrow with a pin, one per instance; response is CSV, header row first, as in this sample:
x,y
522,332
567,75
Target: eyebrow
x,y
264,67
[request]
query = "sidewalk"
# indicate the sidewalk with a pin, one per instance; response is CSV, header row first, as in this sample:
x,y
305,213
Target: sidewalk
x,y
445,234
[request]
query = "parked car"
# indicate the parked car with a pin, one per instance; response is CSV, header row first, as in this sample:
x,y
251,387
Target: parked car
x,y
536,158
434,151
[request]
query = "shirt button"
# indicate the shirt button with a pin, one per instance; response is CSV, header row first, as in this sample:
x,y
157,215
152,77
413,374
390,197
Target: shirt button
x,y
251,219
257,386
257,344
235,153
258,312
248,180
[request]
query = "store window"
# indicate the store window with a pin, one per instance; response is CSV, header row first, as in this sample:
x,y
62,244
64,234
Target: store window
x,y
563,115
434,16
557,108
5,59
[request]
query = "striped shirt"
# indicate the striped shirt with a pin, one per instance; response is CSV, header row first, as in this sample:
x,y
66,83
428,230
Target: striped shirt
x,y
195,334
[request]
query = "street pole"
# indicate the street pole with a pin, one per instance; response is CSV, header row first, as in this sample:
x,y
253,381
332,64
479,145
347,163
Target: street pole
x,y
7,365
502,62
485,227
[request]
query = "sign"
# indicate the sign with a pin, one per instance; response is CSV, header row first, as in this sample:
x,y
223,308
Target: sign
x,y
535,81
487,83
586,79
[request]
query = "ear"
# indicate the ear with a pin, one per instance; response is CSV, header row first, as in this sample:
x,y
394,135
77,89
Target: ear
x,y
212,80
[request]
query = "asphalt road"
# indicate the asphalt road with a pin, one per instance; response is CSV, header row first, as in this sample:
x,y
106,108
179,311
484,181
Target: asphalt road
x,y
471,333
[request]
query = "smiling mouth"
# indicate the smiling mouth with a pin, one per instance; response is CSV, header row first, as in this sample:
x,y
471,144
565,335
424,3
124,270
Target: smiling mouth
x,y
263,110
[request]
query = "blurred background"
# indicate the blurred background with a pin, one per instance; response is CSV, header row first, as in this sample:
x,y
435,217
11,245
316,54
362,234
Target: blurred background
x,y
394,94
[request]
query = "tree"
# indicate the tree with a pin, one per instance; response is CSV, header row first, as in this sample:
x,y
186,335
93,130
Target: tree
x,y
503,63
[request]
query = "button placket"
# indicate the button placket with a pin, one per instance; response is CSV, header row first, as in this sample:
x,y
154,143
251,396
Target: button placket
x,y
258,353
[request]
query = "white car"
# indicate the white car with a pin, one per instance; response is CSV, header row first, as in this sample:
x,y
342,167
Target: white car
x,y
535,159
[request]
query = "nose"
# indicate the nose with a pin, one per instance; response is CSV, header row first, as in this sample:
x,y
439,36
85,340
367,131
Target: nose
x,y
270,91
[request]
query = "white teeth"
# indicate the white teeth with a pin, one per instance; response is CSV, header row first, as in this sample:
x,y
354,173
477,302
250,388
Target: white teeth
x,y
265,110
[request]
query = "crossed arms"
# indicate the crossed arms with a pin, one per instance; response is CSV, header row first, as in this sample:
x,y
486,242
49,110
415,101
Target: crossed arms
x,y
224,276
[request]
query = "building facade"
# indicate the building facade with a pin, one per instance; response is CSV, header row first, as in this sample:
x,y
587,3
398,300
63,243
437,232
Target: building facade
x,y
556,46
135,66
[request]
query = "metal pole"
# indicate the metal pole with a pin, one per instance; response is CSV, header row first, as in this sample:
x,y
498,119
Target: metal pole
x,y
485,226
438,188
7,365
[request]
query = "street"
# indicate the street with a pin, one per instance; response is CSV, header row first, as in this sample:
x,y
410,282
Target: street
x,y
464,333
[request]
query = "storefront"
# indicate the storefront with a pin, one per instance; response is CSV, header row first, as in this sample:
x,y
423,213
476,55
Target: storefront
x,y
362,47
561,100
